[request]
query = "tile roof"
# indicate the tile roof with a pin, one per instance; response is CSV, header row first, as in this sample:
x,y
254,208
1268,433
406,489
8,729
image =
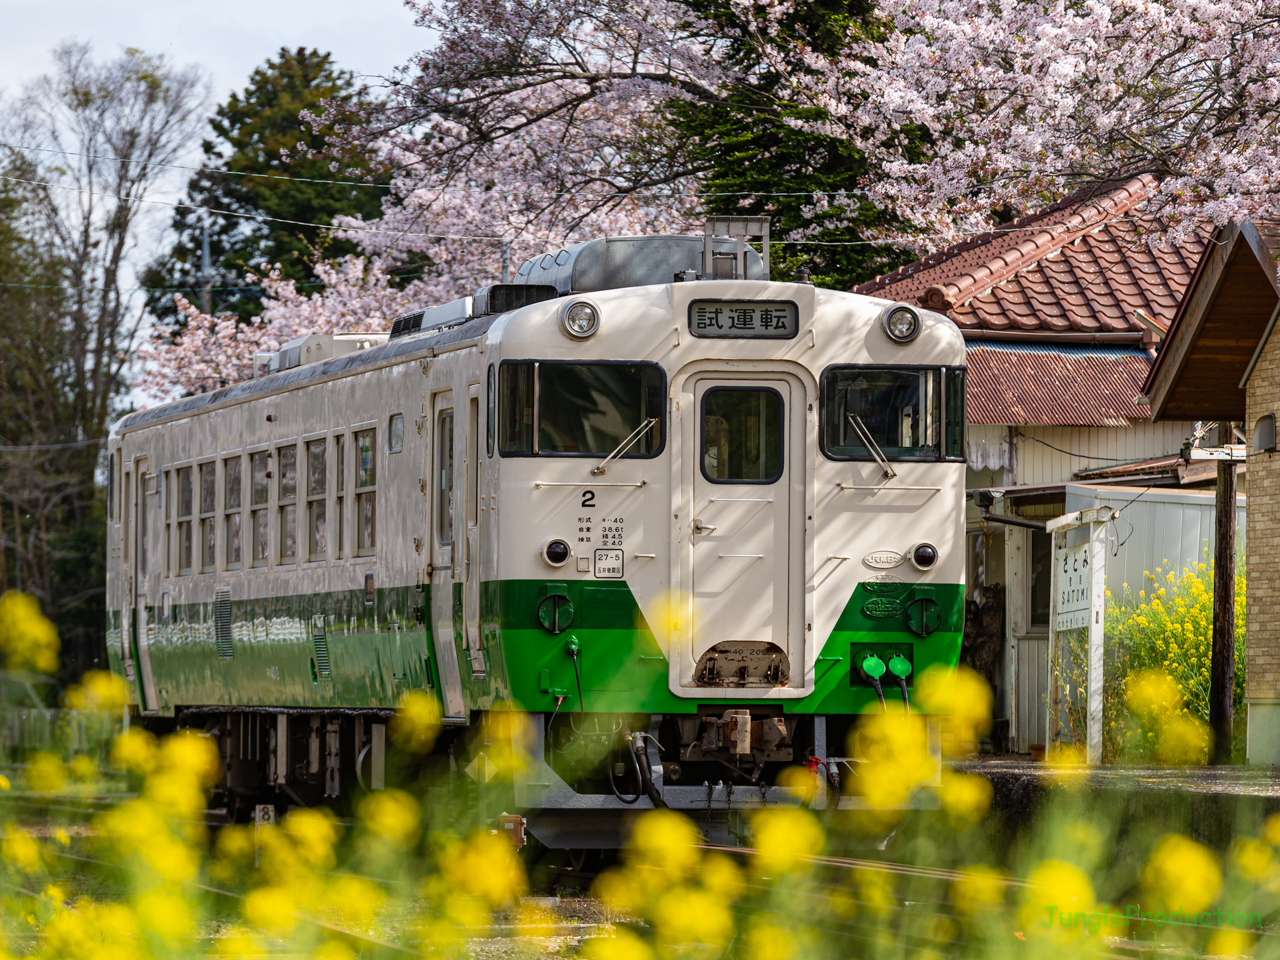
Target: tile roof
x,y
1077,270
1055,384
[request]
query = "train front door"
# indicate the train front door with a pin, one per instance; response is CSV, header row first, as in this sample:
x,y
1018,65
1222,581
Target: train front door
x,y
444,554
743,590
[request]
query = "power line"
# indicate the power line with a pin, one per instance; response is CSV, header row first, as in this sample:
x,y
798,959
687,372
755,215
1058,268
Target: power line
x,y
52,446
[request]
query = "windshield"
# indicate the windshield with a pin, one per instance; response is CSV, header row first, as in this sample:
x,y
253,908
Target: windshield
x,y
586,409
909,414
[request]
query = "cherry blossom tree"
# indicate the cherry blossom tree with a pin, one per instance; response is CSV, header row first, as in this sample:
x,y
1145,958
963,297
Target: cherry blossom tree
x,y
210,352
1022,103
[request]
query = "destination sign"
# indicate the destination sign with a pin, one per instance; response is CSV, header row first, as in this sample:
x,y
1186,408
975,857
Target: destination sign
x,y
764,319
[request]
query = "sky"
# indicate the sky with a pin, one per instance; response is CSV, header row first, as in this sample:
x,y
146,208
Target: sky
x,y
228,38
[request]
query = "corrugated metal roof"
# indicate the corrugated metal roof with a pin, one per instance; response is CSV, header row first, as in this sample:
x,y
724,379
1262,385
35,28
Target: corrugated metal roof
x,y
1076,269
1055,385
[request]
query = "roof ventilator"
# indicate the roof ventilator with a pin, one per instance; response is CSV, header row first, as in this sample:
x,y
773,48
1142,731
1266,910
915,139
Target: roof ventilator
x,y
725,266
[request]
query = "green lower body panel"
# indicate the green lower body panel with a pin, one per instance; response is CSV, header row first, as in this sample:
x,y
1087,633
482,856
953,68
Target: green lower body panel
x,y
334,650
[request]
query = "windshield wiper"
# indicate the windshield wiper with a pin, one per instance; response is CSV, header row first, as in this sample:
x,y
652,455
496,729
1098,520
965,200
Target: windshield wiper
x,y
622,447
876,452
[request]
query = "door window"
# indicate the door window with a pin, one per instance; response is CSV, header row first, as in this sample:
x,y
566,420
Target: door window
x,y
742,435
444,495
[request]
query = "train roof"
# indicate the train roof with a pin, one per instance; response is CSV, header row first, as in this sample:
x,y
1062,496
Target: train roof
x,y
391,352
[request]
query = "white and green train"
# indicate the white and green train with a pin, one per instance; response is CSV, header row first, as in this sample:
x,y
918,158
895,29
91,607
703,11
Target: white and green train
x,y
693,526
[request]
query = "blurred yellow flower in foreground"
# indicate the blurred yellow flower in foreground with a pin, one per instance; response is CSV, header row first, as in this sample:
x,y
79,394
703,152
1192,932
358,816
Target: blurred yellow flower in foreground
x,y
92,931
966,797
98,690
667,841
166,914
1271,830
1156,700
963,694
28,639
1056,888
979,889
21,851
896,751
392,814
192,755
484,866
1253,858
801,779
686,915
768,941
623,945
46,773
785,838
135,750
1181,875
1229,942
314,831
271,910
416,723
82,767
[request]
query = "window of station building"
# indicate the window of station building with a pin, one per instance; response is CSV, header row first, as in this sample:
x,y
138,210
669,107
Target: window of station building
x,y
1040,580
186,536
902,413
366,496
287,502
231,506
395,433
317,524
339,502
553,408
259,499
208,516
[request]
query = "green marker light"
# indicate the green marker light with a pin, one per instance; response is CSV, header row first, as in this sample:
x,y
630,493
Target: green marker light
x,y
899,666
873,666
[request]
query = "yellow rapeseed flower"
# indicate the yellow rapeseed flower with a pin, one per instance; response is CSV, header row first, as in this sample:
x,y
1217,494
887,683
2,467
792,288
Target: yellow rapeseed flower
x,y
979,889
392,814
785,838
623,945
1181,874
314,831
98,690
271,909
135,750
21,851
966,797
416,723
486,867
666,841
46,773
1056,887
1253,858
28,640
167,914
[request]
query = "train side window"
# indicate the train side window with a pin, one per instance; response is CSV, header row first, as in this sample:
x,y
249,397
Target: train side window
x,y
554,408
491,422
895,413
957,414
231,506
742,434
208,518
395,433
166,496
186,538
287,464
317,523
259,498
339,503
444,495
366,495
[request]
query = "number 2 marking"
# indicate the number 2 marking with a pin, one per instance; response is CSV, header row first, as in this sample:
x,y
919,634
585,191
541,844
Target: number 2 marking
x,y
588,498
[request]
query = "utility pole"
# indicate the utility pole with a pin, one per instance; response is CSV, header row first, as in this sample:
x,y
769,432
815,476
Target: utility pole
x,y
206,274
506,261
1222,675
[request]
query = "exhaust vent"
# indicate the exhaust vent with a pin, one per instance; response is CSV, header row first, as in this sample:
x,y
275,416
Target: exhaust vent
x,y
222,624
503,297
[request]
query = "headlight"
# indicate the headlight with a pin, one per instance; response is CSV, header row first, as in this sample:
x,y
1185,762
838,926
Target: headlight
x,y
901,323
924,556
580,319
556,552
